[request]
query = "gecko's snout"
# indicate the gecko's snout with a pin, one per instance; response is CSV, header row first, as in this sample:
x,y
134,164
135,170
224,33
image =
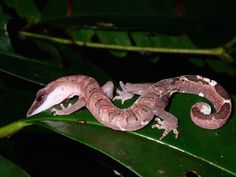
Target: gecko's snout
x,y
28,114
32,109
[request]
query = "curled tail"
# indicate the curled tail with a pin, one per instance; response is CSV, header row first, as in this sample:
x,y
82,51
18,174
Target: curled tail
x,y
201,112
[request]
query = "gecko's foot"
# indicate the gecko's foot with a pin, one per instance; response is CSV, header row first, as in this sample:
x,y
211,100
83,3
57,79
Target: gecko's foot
x,y
167,125
123,94
61,111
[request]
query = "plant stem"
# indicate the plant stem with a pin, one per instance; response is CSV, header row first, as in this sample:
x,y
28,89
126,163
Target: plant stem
x,y
230,43
12,128
213,51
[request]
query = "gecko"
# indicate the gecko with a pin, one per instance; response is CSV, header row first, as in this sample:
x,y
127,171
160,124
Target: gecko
x,y
152,102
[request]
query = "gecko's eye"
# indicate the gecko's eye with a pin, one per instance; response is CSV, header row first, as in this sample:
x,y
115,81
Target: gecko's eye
x,y
40,95
39,98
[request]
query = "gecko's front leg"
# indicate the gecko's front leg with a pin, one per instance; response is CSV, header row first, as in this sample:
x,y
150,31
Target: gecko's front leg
x,y
108,88
123,94
128,91
70,108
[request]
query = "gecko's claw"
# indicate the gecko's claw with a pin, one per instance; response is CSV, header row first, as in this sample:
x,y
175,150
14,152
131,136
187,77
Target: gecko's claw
x,y
167,126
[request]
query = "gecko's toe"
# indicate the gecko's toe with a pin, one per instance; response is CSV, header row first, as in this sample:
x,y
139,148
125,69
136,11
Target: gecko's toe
x,y
62,106
116,98
54,111
176,132
168,126
122,85
118,91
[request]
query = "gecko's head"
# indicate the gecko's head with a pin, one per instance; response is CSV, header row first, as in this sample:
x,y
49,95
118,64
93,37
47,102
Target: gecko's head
x,y
48,97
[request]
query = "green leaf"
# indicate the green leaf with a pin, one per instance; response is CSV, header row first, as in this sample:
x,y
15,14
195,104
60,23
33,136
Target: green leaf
x,y
99,9
149,14
221,67
169,157
114,37
51,51
161,40
84,35
78,64
42,73
18,100
141,39
9,169
25,9
154,59
5,43
20,67
197,62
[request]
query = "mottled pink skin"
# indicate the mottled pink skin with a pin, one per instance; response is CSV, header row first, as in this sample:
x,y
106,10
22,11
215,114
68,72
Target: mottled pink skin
x,y
152,102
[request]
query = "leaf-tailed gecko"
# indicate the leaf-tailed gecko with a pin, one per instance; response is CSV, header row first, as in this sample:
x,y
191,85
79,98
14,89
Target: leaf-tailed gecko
x,y
152,102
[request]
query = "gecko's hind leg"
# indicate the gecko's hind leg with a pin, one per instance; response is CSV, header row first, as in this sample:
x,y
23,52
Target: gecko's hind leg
x,y
128,91
123,94
108,88
166,121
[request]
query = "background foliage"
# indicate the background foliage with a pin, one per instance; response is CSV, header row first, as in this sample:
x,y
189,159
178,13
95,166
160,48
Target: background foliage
x,y
41,40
